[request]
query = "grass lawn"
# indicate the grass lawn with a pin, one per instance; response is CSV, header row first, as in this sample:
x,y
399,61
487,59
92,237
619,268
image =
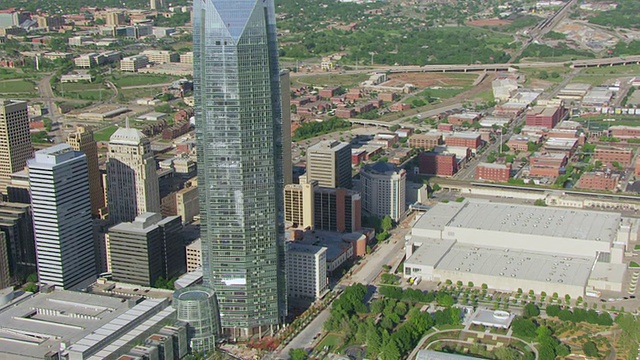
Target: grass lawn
x,y
123,80
97,94
594,80
79,86
131,94
443,93
613,70
347,80
634,264
332,341
104,134
637,247
597,123
19,86
485,95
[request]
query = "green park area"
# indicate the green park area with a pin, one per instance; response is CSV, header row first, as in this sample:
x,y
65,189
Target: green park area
x,y
84,91
17,86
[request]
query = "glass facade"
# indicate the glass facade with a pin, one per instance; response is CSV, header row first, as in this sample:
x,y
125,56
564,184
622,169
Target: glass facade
x,y
197,307
238,129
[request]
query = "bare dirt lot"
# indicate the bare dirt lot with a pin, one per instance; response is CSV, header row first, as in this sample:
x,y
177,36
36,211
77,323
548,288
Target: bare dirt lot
x,y
424,80
489,22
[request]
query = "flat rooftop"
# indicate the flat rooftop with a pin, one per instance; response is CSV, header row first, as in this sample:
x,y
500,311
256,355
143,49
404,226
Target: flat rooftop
x,y
500,262
38,324
586,225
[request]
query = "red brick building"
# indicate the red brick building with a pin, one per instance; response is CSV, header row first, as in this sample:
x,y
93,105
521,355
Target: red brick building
x,y
426,141
609,155
178,129
520,143
357,156
545,116
400,107
445,127
625,132
547,164
345,113
460,119
598,181
329,92
390,97
432,163
493,172
467,139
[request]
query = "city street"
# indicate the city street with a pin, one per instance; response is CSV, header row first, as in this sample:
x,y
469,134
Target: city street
x,y
390,252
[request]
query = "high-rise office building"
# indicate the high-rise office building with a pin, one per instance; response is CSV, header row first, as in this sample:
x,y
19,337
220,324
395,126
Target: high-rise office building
x,y
5,271
59,185
239,133
146,249
15,140
285,96
308,206
82,140
382,186
329,162
132,181
16,222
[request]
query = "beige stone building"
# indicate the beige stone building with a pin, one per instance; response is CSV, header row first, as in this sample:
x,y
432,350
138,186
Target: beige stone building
x,y
132,181
15,140
82,140
329,162
194,256
187,204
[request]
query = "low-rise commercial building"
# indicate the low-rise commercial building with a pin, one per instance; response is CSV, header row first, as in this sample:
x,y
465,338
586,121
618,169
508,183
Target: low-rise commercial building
x,y
598,180
34,325
186,58
161,56
546,164
435,163
493,172
471,140
460,119
521,143
426,141
133,63
609,155
624,132
545,116
565,145
510,246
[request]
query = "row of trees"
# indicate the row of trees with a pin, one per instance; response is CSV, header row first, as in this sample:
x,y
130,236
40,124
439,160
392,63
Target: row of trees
x,y
580,315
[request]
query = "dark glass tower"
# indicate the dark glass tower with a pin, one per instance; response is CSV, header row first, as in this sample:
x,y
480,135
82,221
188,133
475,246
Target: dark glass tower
x,y
240,179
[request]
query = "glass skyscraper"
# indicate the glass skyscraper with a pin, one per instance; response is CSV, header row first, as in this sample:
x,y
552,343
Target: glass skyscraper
x,y
238,127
